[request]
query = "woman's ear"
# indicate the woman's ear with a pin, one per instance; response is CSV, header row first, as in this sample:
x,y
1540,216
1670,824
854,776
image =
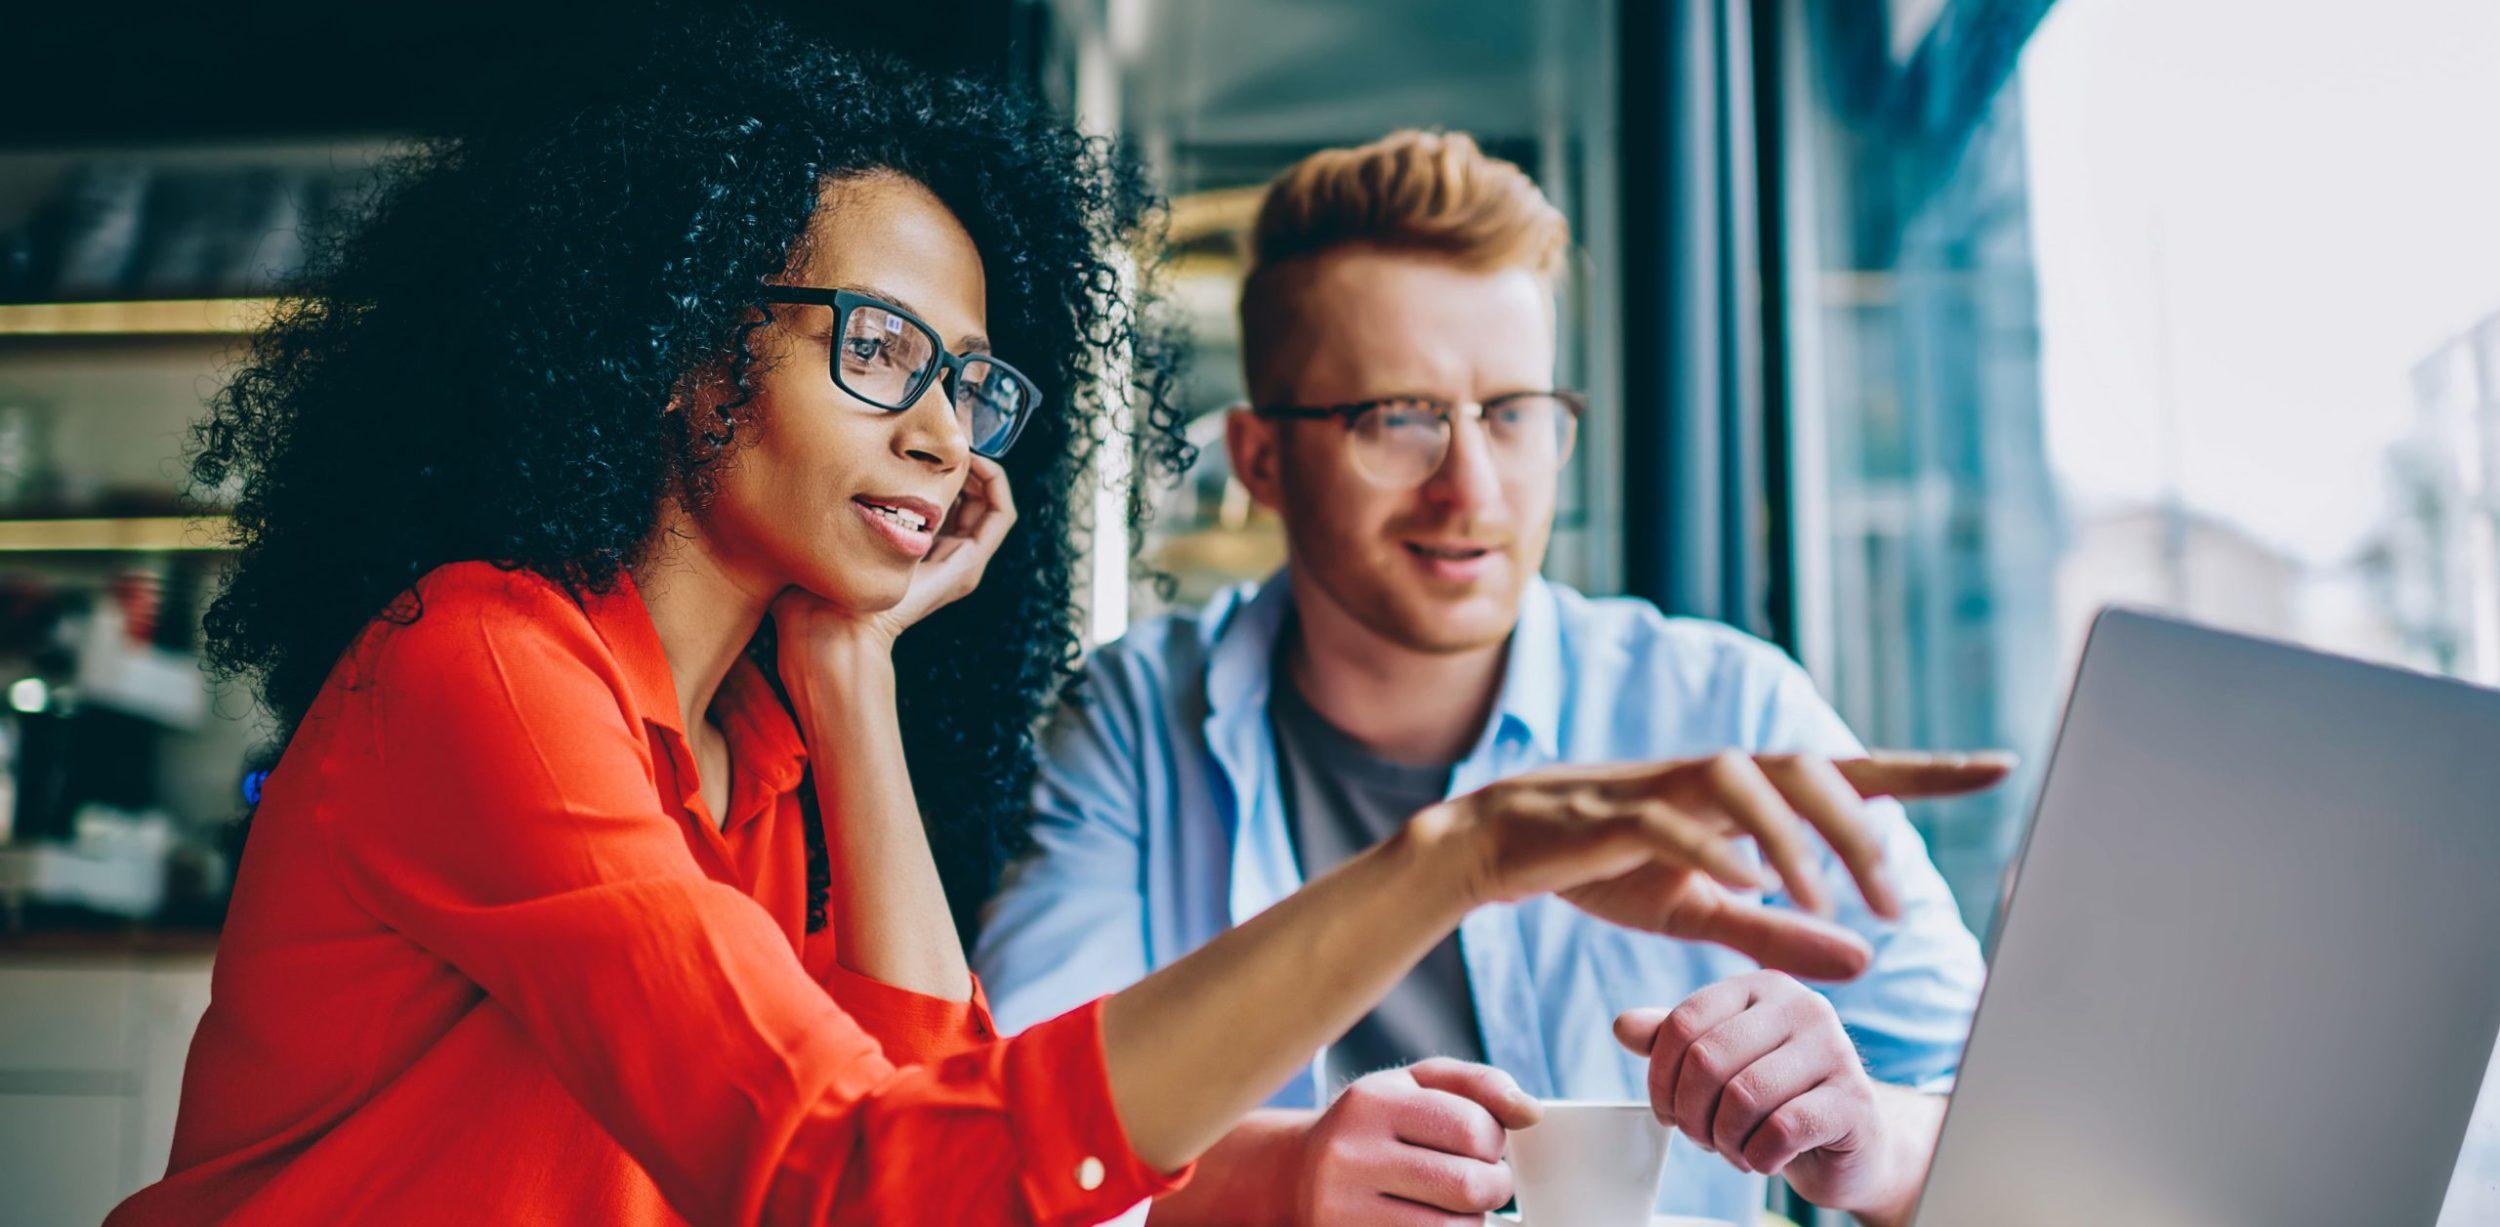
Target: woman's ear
x,y
704,387
692,384
695,404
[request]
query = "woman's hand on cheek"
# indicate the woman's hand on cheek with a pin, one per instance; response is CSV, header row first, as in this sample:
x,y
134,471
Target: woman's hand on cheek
x,y
969,538
966,542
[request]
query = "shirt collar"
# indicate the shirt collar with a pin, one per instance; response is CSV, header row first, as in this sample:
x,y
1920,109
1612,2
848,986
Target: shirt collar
x,y
1240,662
1533,675
762,735
624,624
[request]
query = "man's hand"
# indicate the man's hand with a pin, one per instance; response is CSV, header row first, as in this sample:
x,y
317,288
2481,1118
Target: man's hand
x,y
1758,1070
1419,1145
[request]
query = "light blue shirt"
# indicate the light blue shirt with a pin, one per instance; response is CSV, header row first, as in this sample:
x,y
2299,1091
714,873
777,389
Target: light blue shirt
x,y
1161,823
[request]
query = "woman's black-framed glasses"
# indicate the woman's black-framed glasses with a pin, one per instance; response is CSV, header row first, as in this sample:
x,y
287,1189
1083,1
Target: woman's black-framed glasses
x,y
886,356
1401,441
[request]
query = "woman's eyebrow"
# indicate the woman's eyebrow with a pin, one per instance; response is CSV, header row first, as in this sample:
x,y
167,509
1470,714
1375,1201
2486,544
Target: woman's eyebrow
x,y
880,294
968,343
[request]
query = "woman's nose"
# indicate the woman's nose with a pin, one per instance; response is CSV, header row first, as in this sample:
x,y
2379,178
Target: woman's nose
x,y
931,431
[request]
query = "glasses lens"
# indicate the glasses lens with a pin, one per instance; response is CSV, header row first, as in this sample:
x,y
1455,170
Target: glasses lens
x,y
883,358
992,399
1530,432
1400,442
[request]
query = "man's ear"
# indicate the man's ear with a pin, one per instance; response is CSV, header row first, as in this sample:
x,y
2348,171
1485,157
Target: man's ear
x,y
1255,445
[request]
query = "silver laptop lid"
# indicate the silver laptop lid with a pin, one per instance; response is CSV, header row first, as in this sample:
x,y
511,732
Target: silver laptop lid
x,y
2250,973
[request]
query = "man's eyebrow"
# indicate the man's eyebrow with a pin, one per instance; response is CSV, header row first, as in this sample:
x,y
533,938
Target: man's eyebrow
x,y
966,344
1437,398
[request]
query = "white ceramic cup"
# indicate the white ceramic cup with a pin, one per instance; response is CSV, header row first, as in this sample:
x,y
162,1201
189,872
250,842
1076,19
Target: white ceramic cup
x,y
1589,1164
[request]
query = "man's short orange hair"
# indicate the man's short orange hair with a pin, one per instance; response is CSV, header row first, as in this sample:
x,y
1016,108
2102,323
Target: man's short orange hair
x,y
1430,193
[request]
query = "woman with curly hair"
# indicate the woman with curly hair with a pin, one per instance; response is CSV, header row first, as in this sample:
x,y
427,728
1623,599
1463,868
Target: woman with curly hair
x,y
625,520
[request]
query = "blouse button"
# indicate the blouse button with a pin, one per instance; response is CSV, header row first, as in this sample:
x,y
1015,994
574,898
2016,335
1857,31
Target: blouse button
x,y
1089,1174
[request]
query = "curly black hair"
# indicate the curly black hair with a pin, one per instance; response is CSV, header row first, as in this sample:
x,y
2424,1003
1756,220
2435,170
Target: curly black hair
x,y
474,368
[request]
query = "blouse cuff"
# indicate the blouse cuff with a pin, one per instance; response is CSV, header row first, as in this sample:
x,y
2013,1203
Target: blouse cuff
x,y
914,1028
1078,1167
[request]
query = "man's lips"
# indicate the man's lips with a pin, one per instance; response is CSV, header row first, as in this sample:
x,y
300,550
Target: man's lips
x,y
1457,551
1453,562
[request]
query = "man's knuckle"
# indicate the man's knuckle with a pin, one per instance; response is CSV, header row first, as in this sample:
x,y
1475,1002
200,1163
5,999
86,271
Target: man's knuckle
x,y
1747,1093
1859,1089
1816,1010
1482,1185
1796,1123
1777,1135
1485,1136
1661,1097
1806,1015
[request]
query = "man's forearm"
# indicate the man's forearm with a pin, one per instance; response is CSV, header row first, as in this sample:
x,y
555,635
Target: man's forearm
x,y
1245,1180
1912,1120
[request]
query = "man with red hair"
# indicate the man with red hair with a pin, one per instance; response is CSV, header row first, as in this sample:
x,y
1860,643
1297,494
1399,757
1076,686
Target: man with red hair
x,y
1398,337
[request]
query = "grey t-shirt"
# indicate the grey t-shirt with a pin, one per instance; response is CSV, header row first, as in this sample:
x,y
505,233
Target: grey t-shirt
x,y
1340,798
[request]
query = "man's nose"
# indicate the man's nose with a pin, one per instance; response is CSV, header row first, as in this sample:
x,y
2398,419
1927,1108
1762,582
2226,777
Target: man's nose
x,y
1469,476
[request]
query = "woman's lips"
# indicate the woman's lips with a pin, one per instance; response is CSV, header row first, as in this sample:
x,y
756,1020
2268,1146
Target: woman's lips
x,y
907,524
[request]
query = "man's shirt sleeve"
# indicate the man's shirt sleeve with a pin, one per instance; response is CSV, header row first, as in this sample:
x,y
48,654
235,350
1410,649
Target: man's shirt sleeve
x,y
1911,1012
1069,923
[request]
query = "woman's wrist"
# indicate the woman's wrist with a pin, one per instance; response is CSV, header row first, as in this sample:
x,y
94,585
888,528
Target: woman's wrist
x,y
835,679
1439,848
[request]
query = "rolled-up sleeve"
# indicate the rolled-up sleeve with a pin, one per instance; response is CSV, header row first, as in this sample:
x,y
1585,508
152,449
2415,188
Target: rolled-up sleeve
x,y
514,831
915,1028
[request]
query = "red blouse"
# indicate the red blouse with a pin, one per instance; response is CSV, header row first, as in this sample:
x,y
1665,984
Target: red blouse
x,y
489,958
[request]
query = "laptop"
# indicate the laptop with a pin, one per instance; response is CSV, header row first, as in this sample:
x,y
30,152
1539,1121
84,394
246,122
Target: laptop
x,y
2249,971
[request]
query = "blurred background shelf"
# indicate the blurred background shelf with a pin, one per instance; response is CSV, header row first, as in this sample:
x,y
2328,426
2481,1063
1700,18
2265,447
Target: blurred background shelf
x,y
143,318
116,534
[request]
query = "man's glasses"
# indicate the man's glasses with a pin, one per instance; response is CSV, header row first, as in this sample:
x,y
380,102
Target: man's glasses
x,y
1399,442
884,355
